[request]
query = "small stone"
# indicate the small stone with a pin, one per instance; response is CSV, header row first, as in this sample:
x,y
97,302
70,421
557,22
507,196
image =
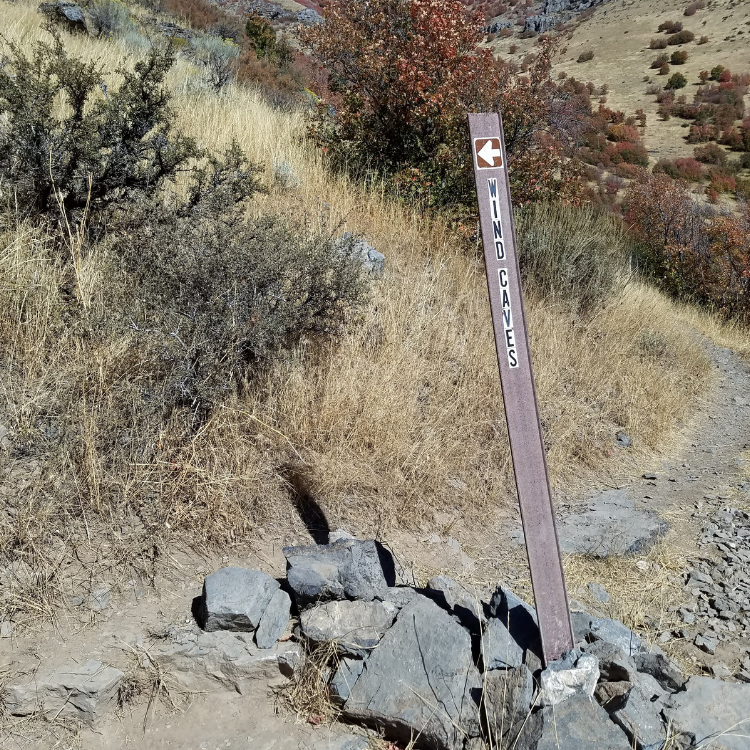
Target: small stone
x,y
338,535
98,600
706,643
666,673
720,671
6,629
347,569
687,617
612,695
599,593
649,475
623,440
85,692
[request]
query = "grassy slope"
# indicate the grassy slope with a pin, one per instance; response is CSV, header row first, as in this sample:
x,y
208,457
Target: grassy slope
x,y
380,428
619,33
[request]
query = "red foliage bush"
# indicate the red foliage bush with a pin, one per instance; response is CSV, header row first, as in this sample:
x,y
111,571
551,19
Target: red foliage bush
x,y
622,132
403,75
692,251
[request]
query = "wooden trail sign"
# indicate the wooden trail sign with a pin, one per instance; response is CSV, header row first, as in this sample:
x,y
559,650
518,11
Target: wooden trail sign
x,y
517,379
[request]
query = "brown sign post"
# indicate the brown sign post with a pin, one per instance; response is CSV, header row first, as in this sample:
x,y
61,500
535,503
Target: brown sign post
x,y
517,378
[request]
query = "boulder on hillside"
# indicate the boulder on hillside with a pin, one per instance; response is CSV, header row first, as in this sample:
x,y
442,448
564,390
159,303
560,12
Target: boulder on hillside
x,y
67,14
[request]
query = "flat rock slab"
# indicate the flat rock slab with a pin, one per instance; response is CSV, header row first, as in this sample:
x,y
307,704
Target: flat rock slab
x,y
465,605
507,702
356,627
420,681
203,661
715,713
346,569
274,620
85,692
611,526
236,598
499,650
576,724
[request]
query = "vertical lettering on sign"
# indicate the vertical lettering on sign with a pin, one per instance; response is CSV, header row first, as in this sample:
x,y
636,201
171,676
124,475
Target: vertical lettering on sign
x,y
502,273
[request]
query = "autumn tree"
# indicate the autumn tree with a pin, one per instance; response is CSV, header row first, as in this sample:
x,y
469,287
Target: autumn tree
x,y
402,76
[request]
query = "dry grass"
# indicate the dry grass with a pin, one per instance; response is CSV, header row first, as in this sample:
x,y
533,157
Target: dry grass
x,y
373,428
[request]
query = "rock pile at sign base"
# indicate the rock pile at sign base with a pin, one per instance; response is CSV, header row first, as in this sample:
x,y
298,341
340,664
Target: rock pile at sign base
x,y
446,667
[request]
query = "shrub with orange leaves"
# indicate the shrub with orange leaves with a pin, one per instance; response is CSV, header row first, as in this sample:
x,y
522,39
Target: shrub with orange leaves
x,y
693,251
402,76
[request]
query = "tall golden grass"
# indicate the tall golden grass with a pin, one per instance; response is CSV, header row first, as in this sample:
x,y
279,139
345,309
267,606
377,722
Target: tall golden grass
x,y
398,420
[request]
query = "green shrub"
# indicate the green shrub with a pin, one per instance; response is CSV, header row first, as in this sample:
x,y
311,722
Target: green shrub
x,y
681,37
217,56
659,61
716,72
658,44
217,299
572,256
110,18
97,151
679,57
586,56
676,81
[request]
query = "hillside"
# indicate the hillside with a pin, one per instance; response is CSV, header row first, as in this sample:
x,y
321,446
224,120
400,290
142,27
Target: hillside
x,y
620,32
157,422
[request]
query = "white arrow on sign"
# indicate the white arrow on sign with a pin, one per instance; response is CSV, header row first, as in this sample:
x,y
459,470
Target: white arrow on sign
x,y
489,153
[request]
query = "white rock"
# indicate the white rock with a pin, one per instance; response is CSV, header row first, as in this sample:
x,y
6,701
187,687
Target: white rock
x,y
559,683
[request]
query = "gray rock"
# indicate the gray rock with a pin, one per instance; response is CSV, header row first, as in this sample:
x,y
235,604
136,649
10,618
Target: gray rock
x,y
338,535
373,261
706,643
343,680
236,598
576,724
623,440
641,720
309,17
462,603
398,596
614,632
540,24
499,650
712,710
98,599
345,569
201,661
573,674
520,620
85,692
356,627
284,175
507,699
274,620
420,681
611,526
599,592
6,628
6,442
665,672
66,13
614,664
